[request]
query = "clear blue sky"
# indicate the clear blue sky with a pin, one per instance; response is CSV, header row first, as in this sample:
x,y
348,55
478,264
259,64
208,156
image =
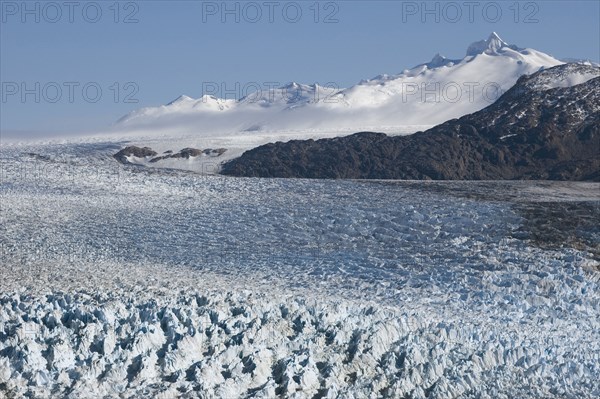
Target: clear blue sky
x,y
175,46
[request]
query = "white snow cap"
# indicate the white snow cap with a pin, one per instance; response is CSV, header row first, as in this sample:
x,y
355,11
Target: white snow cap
x,y
489,46
415,99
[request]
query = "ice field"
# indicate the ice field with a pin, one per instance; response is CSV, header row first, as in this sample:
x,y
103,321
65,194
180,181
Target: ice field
x,y
123,281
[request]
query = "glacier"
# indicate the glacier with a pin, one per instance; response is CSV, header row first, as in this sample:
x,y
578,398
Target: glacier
x,y
122,281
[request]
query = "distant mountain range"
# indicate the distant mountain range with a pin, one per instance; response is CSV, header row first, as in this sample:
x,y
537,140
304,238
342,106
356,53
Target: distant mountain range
x,y
426,95
547,126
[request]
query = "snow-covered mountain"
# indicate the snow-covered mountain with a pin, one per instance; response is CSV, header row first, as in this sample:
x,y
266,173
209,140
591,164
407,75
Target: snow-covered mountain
x,y
428,94
546,127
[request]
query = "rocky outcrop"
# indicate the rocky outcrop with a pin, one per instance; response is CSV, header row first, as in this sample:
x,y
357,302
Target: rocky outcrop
x,y
545,127
133,151
147,153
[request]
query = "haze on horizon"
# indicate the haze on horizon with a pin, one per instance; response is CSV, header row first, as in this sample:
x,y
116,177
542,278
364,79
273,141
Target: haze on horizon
x,y
148,53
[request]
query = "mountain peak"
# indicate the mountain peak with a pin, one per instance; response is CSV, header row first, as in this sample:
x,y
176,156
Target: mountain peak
x,y
293,86
181,99
438,60
494,36
489,46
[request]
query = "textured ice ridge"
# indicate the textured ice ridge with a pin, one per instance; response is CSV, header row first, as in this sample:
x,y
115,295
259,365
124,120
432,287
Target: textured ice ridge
x,y
227,345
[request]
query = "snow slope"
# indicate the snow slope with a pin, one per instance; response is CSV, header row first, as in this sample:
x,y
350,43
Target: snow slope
x,y
427,94
566,76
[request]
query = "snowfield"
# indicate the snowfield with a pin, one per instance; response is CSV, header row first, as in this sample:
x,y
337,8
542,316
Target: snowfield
x,y
123,281
427,94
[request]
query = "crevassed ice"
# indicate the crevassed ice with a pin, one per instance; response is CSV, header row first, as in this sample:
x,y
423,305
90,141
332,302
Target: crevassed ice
x,y
134,282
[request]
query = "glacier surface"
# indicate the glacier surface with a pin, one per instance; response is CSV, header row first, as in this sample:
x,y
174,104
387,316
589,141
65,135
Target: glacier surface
x,y
122,281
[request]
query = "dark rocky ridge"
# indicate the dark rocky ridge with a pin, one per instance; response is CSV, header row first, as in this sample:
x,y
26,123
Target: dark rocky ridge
x,y
138,152
187,153
530,132
147,152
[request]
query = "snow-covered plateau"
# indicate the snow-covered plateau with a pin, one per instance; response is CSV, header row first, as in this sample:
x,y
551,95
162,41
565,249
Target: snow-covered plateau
x,y
121,281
